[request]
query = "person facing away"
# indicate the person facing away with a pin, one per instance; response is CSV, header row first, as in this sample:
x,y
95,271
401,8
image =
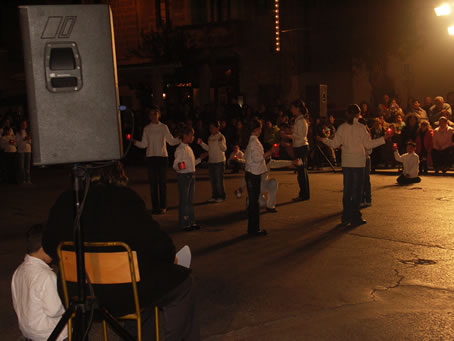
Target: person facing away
x,y
154,138
216,148
114,212
410,161
34,290
354,139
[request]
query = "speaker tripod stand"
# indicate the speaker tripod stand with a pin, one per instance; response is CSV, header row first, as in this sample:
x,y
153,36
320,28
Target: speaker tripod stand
x,y
82,307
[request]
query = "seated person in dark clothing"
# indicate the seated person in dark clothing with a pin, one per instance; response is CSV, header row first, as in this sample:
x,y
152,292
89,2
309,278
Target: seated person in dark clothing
x,y
114,212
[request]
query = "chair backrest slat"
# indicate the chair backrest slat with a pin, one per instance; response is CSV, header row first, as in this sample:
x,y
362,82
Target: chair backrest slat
x,y
102,267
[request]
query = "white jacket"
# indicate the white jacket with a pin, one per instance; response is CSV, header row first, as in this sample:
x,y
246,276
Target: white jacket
x,y
154,138
354,140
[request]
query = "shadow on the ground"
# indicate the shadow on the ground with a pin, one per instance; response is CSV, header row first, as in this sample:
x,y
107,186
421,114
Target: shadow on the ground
x,y
220,245
227,219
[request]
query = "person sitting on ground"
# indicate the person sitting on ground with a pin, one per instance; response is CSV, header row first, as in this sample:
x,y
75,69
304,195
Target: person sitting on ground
x,y
114,212
34,291
236,159
439,109
410,161
442,146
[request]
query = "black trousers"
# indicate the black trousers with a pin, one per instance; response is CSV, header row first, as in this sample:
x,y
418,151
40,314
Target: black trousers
x,y
403,180
303,177
179,316
253,191
157,176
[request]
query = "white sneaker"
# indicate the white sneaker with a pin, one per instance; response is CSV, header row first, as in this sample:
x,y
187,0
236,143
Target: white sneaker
x,y
211,200
219,200
238,193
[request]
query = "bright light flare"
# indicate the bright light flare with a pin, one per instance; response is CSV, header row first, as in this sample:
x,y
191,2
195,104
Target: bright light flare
x,y
451,30
442,10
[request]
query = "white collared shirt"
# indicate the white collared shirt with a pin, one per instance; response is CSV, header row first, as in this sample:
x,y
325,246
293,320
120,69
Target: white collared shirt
x,y
300,132
410,163
185,154
216,148
354,140
154,138
255,162
35,299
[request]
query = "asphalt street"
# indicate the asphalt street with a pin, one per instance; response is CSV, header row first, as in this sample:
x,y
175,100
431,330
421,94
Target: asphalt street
x,y
391,279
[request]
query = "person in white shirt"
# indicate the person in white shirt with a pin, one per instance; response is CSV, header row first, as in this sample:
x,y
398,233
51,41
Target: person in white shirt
x,y
301,148
34,291
24,152
185,164
154,138
410,161
236,159
255,166
353,139
216,161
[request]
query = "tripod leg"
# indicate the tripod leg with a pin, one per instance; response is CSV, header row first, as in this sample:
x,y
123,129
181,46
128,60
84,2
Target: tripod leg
x,y
326,158
63,321
115,325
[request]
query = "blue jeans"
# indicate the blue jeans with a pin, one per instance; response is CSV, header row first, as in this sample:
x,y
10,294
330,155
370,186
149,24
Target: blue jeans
x,y
353,190
186,188
216,171
367,193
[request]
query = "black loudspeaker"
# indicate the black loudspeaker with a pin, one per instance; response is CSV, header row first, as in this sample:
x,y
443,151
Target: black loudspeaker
x,y
317,100
72,87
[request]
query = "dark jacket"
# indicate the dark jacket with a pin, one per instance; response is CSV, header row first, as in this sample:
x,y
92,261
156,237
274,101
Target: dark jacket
x,y
117,213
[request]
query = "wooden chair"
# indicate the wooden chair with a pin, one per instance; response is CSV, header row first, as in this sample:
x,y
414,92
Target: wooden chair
x,y
105,267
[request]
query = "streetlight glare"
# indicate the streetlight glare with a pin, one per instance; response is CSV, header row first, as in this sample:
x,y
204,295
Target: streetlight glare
x,y
444,9
451,30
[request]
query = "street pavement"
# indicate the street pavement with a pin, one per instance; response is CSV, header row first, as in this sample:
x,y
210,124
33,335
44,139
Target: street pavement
x,y
391,279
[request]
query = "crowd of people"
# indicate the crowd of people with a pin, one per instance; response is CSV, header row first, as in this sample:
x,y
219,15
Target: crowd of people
x,y
15,151
110,205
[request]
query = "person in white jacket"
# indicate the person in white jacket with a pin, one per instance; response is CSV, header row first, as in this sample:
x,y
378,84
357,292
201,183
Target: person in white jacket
x,y
154,138
184,164
216,148
410,161
353,139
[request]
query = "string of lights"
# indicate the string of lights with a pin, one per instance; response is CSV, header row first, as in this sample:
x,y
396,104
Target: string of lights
x,y
277,45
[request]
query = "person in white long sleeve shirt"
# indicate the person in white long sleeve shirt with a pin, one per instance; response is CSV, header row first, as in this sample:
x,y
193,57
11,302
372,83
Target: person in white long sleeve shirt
x,y
410,161
301,148
34,291
154,138
184,164
255,166
216,148
353,139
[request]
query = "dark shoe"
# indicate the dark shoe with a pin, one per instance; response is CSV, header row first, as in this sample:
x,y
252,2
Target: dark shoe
x,y
188,229
358,223
343,224
258,233
195,227
298,199
155,211
271,210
